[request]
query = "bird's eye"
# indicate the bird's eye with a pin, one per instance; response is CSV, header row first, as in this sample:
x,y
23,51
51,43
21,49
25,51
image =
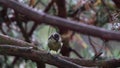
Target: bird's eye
x,y
56,36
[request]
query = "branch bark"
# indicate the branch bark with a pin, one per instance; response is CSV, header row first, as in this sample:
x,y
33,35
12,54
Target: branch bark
x,y
60,22
37,56
20,48
25,49
43,56
11,41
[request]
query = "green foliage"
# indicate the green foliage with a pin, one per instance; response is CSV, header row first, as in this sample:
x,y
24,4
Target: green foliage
x,y
43,33
116,54
102,16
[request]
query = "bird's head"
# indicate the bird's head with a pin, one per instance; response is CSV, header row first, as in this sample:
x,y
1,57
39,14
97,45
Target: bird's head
x,y
56,37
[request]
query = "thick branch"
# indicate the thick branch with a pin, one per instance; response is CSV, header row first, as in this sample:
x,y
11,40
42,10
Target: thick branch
x,y
41,55
61,5
60,22
11,41
21,46
60,61
113,63
37,56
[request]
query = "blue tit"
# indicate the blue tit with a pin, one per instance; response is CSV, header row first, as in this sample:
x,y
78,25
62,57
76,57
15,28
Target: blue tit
x,y
55,43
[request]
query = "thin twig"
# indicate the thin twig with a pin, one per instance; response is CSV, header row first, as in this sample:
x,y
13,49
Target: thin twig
x,y
90,41
73,50
100,50
2,30
33,29
19,24
97,54
49,6
35,24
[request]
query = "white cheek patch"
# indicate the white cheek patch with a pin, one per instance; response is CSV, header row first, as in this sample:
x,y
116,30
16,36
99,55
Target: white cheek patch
x,y
61,44
60,39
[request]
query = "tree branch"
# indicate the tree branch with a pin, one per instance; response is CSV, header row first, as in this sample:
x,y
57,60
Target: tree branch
x,y
11,41
43,56
20,49
37,56
49,6
60,22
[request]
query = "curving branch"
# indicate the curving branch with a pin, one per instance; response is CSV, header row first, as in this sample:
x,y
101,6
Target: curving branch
x,y
4,39
60,22
43,56
23,49
37,56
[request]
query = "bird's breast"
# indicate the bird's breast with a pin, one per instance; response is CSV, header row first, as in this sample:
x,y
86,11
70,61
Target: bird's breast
x,y
54,46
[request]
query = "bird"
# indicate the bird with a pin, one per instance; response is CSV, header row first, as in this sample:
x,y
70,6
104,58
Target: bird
x,y
55,43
